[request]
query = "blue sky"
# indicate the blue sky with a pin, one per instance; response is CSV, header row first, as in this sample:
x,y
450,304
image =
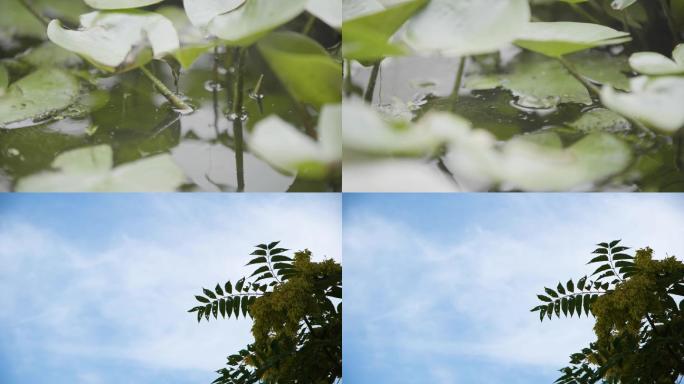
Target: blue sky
x,y
438,287
94,288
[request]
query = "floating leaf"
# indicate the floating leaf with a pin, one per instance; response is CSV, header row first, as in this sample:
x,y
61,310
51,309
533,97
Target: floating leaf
x,y
466,27
248,23
653,63
117,40
304,67
38,95
90,170
121,4
559,38
655,102
287,148
404,175
368,27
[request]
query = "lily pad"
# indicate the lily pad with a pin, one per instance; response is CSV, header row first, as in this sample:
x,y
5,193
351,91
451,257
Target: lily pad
x,y
365,36
247,24
304,67
466,27
329,11
656,102
559,38
90,170
120,4
16,20
113,40
38,95
288,149
601,120
201,12
537,82
653,63
48,54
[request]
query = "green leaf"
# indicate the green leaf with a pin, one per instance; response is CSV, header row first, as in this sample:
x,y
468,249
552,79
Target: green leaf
x,y
580,283
218,290
209,293
365,37
236,307
557,308
544,298
464,27
260,270
222,307
602,251
604,245
247,24
200,313
262,246
622,256
89,170
598,259
655,64
619,249
571,286
202,299
310,159
564,306
259,252
653,101
613,243
560,289
228,287
245,305
578,305
239,284
229,306
272,245
201,13
258,260
587,305
207,311
280,258
304,67
601,269
559,38
120,4
571,305
214,309
108,39
195,309
621,4
37,95
551,292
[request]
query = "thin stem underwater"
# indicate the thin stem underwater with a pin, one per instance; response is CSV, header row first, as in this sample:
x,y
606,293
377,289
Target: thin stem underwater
x,y
459,78
370,88
238,97
176,101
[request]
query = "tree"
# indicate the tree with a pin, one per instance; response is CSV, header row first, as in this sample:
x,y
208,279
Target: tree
x,y
297,326
639,325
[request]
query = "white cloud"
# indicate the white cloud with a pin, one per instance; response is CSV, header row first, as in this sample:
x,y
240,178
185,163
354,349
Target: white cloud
x,y
127,300
467,292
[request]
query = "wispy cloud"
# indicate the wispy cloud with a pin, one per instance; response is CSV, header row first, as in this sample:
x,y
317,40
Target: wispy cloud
x,y
439,297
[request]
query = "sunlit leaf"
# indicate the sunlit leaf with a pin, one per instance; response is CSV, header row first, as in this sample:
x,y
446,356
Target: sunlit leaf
x,y
201,12
655,102
304,67
466,27
121,4
559,38
653,63
117,40
248,23
90,170
330,11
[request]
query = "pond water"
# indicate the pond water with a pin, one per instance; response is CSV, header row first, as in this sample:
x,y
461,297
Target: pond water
x,y
125,112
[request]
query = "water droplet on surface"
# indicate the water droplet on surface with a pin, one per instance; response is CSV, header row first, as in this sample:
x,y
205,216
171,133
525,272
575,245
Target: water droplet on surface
x,y
212,86
232,116
13,152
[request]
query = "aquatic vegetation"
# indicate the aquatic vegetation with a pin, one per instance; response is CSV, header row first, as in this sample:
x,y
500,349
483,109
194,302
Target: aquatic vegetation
x,y
538,95
146,78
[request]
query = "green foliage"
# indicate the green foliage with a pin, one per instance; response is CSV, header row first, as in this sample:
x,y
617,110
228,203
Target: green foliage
x,y
639,325
297,325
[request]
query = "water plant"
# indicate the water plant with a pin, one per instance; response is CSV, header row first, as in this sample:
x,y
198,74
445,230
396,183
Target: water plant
x,y
256,50
546,95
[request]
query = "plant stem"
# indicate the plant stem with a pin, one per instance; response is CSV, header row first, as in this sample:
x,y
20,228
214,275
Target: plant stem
x,y
310,21
573,71
348,84
459,78
679,150
670,21
214,90
35,12
170,96
238,97
370,89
